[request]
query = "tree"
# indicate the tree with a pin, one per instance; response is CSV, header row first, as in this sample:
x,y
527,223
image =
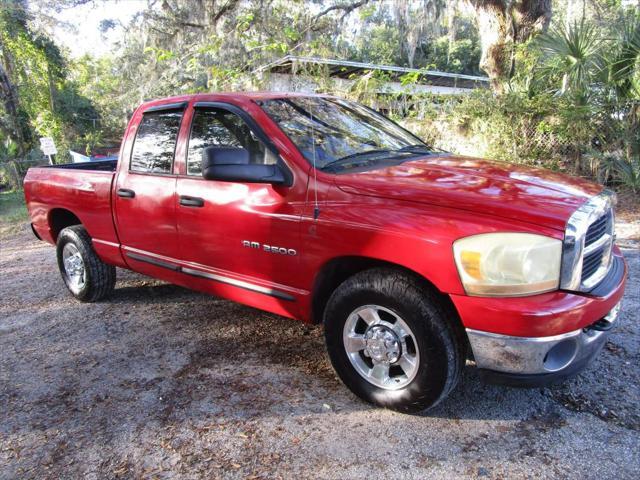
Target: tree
x,y
11,124
624,78
415,22
502,25
37,97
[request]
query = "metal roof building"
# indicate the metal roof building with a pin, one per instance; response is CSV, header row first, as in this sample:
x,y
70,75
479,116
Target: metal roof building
x,y
288,73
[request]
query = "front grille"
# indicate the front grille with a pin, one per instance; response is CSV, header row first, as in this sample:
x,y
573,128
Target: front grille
x,y
587,246
597,255
597,229
591,263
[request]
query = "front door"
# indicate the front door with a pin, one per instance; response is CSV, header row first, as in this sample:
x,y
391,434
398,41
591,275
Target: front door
x,y
242,233
145,204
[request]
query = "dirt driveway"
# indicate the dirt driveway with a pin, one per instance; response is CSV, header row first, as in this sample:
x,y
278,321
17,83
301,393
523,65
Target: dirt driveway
x,y
161,382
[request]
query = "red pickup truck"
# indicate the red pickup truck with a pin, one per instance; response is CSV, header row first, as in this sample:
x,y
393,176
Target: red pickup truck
x,y
320,209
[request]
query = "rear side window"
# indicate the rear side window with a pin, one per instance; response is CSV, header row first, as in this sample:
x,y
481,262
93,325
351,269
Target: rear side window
x,y
221,128
155,143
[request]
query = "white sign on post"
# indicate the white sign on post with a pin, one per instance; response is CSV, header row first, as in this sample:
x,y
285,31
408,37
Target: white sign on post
x,y
48,147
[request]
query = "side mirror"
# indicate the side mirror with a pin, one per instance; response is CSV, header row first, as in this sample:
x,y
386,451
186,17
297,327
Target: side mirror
x,y
231,164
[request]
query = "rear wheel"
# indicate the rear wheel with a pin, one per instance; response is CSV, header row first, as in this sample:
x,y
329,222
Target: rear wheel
x,y
86,276
391,342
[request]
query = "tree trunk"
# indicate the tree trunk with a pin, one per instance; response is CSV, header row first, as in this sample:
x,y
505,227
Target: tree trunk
x,y
531,17
502,24
10,101
52,103
633,137
451,26
494,28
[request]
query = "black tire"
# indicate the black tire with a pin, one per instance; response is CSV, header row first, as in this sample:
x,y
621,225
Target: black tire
x,y
100,278
441,354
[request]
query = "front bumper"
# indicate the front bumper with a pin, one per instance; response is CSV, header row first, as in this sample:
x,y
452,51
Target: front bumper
x,y
536,361
529,347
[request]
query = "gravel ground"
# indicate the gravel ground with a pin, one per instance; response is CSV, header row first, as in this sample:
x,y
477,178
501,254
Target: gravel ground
x,y
161,382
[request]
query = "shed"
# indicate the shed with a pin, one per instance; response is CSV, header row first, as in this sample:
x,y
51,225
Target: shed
x,y
288,74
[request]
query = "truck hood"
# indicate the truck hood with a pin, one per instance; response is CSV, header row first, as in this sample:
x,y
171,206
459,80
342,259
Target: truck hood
x,y
527,194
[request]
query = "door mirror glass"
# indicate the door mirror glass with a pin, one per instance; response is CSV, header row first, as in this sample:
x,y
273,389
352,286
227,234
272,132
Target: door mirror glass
x,y
232,164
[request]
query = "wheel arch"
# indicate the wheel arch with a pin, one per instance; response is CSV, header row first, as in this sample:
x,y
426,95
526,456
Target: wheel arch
x,y
337,270
59,219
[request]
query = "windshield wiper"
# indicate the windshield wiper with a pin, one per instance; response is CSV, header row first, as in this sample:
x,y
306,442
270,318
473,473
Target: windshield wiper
x,y
408,150
353,156
416,147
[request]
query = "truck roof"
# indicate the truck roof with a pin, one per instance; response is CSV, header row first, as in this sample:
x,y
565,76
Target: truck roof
x,y
231,95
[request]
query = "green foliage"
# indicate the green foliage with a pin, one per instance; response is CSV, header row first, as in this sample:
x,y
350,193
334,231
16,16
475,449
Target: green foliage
x,y
364,86
591,76
459,56
380,45
514,127
95,78
624,73
627,172
8,149
380,40
160,54
619,170
192,46
48,104
464,57
574,56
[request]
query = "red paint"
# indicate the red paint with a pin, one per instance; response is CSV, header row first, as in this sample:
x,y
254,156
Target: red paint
x,y
408,215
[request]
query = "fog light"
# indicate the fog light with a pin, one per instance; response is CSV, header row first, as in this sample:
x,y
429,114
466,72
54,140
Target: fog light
x,y
560,355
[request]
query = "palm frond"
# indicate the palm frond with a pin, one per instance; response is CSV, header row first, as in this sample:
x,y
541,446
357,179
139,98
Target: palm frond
x,y
574,54
624,71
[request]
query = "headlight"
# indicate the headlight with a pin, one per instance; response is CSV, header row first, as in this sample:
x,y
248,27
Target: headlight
x,y
508,264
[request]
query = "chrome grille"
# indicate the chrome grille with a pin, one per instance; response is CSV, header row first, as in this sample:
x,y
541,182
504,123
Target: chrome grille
x,y
596,230
586,255
590,264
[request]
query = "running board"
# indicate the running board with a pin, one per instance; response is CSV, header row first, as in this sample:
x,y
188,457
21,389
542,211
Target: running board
x,y
212,276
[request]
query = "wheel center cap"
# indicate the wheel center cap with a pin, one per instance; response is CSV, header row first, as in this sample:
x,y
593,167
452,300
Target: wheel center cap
x,y
74,265
382,344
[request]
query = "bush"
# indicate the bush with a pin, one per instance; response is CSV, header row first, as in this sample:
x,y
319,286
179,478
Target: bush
x,y
510,127
617,169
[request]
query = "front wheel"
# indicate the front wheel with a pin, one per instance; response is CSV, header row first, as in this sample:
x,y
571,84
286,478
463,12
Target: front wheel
x,y
391,342
87,277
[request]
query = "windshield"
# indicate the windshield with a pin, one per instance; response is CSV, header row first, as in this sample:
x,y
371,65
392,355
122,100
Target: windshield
x,y
343,132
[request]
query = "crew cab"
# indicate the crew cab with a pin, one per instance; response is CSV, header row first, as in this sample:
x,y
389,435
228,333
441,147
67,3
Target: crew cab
x,y
320,209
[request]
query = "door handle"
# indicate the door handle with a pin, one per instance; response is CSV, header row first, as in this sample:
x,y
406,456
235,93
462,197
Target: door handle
x,y
191,201
126,193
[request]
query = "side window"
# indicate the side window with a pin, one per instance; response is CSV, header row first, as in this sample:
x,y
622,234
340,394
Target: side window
x,y
221,128
155,142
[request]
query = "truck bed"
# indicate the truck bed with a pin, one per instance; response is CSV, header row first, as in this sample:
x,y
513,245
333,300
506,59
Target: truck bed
x,y
58,194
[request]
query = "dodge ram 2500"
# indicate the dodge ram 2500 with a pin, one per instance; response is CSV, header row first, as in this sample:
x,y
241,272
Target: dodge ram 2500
x,y
320,209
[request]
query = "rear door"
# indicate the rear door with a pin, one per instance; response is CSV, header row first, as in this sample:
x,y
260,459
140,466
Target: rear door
x,y
145,190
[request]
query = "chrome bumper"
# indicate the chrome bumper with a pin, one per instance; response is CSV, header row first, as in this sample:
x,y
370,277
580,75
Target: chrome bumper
x,y
540,355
